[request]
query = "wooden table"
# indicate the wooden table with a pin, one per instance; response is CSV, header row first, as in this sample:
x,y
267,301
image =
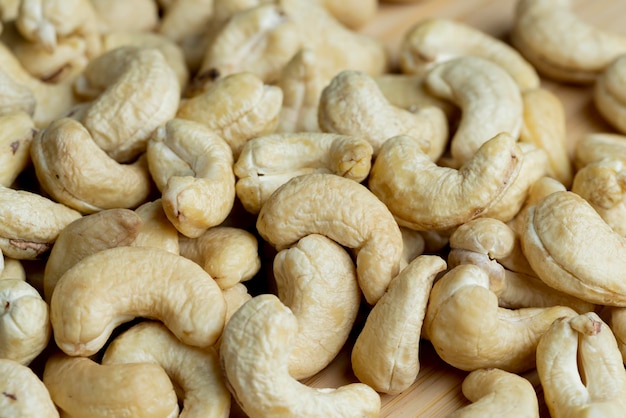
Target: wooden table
x,y
437,391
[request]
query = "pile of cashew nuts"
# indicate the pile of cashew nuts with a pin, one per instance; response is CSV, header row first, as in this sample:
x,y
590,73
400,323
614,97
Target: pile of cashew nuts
x,y
203,202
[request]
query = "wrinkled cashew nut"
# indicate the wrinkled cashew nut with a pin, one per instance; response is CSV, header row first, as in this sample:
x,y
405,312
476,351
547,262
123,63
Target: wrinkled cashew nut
x,y
23,393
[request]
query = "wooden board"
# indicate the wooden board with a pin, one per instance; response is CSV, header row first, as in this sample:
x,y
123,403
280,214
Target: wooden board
x,y
437,391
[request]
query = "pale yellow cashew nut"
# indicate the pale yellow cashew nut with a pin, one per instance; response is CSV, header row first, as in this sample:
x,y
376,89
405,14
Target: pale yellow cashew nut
x,y
598,146
23,393
16,97
156,230
126,15
10,268
610,93
17,131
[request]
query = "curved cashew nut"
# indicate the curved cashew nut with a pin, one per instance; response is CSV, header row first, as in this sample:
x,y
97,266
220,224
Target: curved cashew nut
x,y
230,255
424,196
35,223
64,148
316,279
580,368
196,371
495,392
237,108
352,104
10,268
126,15
192,167
597,146
85,236
258,373
80,387
414,245
24,394
434,40
616,320
610,93
17,97
185,18
17,131
24,321
470,331
235,296
539,189
354,14
385,354
572,249
156,230
560,44
490,102
116,285
269,161
309,205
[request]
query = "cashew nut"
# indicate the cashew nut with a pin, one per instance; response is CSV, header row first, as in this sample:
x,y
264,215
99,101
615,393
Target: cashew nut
x,y
352,104
344,211
597,146
156,230
424,196
580,368
192,167
23,393
196,371
126,15
256,345
16,134
16,97
80,387
24,321
11,269
116,285
235,296
385,354
610,93
414,245
267,162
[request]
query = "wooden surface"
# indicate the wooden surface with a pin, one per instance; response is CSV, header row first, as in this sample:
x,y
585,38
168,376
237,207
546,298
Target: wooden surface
x,y
437,391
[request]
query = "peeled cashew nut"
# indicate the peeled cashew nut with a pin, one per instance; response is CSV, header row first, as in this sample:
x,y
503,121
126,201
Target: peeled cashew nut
x,y
235,296
64,148
156,230
116,285
434,40
495,392
85,236
256,346
230,255
352,13
540,189
597,146
414,245
126,15
33,223
183,19
470,331
352,104
237,108
616,320
192,167
346,212
269,161
133,90
385,354
580,368
489,98
572,249
80,387
17,97
10,268
24,321
17,131
610,93
560,44
424,196
23,393
196,371
316,279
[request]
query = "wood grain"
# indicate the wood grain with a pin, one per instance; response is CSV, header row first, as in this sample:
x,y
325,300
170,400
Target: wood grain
x,y
437,390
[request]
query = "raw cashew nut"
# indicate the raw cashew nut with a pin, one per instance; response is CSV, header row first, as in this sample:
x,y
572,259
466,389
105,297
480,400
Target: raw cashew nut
x,y
352,104
126,15
346,212
17,97
256,345
470,331
31,223
540,189
80,387
581,369
10,268
267,162
116,285
598,146
23,394
495,392
560,44
64,148
610,93
385,354
85,236
572,249
434,40
489,98
316,279
230,255
196,371
24,321
192,167
352,13
235,296
185,18
424,196
156,230
414,245
237,108
17,131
